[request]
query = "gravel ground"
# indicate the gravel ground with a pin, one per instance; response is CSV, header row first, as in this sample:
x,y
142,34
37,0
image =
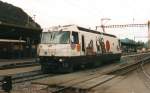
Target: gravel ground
x,y
134,82
27,87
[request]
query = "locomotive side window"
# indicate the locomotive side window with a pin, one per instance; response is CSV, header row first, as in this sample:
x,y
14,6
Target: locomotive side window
x,y
75,38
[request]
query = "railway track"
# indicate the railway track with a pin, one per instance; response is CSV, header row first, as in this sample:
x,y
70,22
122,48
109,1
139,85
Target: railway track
x,y
33,63
17,63
90,81
76,83
143,73
27,76
33,76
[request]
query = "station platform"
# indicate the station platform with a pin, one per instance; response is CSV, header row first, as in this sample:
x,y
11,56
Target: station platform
x,y
4,62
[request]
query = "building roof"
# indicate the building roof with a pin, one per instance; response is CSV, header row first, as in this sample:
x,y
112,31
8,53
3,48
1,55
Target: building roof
x,y
11,31
127,41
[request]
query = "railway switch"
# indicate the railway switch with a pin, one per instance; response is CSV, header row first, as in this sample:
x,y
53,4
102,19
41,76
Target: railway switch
x,y
7,83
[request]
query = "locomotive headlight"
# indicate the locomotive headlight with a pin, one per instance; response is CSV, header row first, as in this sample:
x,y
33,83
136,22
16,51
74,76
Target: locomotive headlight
x,y
60,60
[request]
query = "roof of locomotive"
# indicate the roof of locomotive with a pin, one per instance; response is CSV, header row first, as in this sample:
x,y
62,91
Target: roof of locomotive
x,y
96,32
76,28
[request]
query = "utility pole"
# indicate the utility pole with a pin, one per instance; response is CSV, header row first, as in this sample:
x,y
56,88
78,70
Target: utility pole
x,y
148,34
27,24
34,17
133,29
102,23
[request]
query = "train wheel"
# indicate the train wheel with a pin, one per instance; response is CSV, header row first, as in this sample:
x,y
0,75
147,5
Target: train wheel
x,y
67,68
97,64
71,68
44,69
83,66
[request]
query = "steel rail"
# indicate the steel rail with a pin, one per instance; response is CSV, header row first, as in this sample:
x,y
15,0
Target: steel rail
x,y
116,73
18,65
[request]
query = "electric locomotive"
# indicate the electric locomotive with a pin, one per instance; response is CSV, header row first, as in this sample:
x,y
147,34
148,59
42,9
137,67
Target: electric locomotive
x,y
64,48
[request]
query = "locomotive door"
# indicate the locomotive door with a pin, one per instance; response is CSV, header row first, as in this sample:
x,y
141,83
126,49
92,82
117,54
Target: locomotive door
x,y
102,44
83,44
75,45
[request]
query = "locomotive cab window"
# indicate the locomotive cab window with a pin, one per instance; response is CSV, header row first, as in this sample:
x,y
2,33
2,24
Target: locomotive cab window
x,y
75,38
55,37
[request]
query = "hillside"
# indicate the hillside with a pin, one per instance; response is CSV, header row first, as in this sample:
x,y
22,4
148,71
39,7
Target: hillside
x,y
14,15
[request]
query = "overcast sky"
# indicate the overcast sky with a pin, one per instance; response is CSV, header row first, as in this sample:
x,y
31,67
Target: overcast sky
x,y
85,13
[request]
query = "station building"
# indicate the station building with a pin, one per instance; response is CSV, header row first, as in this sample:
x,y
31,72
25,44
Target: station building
x,y
18,41
129,46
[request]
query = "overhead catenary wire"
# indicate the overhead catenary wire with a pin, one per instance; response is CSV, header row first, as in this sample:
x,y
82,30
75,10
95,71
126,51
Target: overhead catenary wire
x,y
125,25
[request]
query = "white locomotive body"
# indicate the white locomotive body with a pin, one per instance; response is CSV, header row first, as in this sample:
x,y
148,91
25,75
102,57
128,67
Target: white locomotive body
x,y
72,46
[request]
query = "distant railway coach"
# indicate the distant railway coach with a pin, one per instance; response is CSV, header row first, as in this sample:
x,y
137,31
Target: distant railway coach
x,y
67,47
